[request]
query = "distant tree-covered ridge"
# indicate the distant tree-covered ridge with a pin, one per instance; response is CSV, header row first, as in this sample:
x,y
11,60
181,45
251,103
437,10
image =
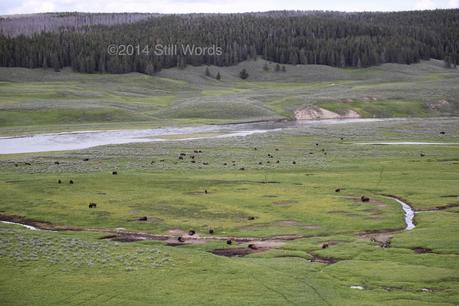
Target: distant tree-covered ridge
x,y
290,37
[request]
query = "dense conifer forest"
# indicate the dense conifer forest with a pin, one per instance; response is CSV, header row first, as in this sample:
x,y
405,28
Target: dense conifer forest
x,y
291,37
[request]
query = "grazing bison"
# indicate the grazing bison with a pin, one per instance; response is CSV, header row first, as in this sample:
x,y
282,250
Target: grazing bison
x,y
180,157
92,205
16,165
71,182
59,181
211,230
317,144
365,199
205,191
294,162
115,173
242,169
143,218
86,159
443,133
180,239
191,232
225,164
255,149
193,162
423,155
338,190
229,242
342,138
56,163
277,149
205,164
251,218
253,246
260,163
28,164
325,246
277,162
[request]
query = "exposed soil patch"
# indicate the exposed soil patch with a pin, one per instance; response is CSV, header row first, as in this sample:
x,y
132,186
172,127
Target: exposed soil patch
x,y
324,260
235,252
421,250
270,196
314,113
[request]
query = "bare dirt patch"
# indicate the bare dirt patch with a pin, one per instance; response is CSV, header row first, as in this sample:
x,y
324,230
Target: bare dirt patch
x,y
315,113
234,252
421,250
323,260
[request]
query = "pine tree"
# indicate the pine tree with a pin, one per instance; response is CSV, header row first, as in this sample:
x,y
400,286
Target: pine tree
x,y
243,74
207,72
218,77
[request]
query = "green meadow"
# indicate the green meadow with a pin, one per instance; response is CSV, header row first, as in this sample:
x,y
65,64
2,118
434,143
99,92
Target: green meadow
x,y
288,200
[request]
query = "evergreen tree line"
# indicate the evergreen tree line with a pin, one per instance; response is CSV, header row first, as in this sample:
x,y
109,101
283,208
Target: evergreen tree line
x,y
327,38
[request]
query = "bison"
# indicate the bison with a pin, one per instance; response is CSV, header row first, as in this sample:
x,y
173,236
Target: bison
x,y
92,205
365,199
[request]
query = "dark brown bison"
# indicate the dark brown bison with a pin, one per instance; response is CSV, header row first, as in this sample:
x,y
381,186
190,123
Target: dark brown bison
x,y
92,205
115,173
365,199
191,232
325,246
211,230
145,218
229,242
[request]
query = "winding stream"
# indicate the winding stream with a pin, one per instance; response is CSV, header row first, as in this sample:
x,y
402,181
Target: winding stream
x,y
33,228
409,214
78,140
